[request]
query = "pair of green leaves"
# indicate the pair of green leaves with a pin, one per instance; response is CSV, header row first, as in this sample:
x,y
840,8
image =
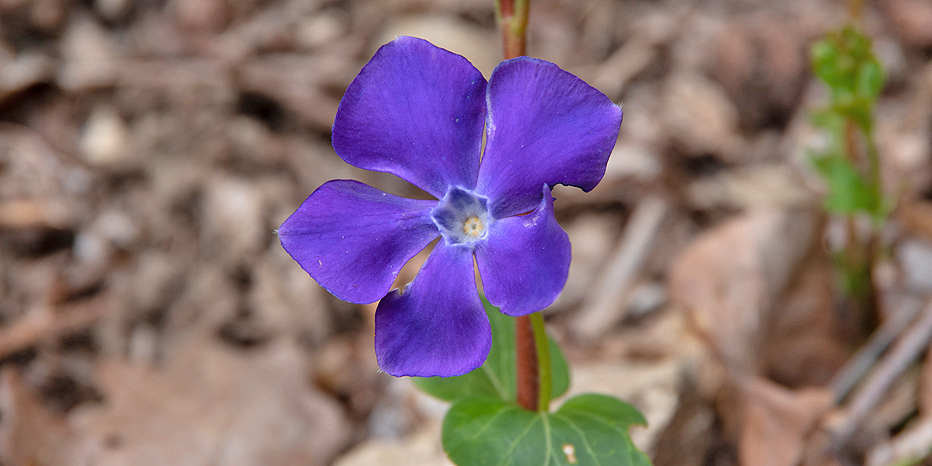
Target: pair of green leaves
x,y
485,426
845,62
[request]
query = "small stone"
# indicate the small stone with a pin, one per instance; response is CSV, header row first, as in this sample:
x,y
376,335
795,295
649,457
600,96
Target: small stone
x,y
90,248
105,137
234,217
253,141
392,417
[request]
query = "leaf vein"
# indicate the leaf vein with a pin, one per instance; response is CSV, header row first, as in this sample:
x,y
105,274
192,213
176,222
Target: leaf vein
x,y
517,440
582,435
602,421
489,424
495,381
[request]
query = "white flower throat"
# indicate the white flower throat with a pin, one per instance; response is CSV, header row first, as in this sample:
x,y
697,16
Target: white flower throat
x,y
462,216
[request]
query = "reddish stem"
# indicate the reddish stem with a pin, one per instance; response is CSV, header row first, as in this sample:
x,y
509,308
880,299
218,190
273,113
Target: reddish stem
x,y
514,46
506,8
512,18
528,372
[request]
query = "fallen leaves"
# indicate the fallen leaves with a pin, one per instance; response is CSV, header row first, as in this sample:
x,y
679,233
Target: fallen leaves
x,y
29,433
762,301
732,277
209,405
777,421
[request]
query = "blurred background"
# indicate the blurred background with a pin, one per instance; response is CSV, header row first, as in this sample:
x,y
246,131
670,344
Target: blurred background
x,y
150,148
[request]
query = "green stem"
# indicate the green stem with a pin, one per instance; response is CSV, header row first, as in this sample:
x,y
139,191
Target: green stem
x,y
860,253
543,359
873,160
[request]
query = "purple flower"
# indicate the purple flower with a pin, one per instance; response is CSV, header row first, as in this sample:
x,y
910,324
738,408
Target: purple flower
x,y
418,111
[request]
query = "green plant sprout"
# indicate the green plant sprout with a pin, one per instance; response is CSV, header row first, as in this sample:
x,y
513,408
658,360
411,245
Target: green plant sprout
x,y
850,164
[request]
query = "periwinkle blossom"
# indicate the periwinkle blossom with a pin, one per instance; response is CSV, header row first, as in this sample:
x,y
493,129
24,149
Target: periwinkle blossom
x,y
419,112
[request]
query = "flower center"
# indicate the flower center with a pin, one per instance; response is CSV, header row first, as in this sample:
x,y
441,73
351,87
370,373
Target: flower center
x,y
462,216
473,226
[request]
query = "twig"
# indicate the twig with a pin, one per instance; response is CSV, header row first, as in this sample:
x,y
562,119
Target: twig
x,y
33,213
913,342
49,323
603,307
910,445
864,359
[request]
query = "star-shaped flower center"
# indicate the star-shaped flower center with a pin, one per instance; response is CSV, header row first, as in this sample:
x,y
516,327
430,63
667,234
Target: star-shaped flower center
x,y
462,216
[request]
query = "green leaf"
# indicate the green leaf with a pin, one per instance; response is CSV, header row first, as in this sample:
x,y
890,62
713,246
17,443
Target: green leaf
x,y
559,370
824,57
870,79
848,192
586,430
495,378
829,119
845,62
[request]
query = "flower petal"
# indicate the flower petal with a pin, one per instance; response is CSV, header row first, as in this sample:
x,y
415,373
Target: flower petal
x,y
435,326
416,111
544,126
525,260
354,239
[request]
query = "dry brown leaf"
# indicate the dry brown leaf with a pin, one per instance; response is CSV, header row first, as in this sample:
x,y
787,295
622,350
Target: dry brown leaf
x,y
803,346
777,421
730,278
690,97
29,434
211,405
761,40
916,217
912,20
